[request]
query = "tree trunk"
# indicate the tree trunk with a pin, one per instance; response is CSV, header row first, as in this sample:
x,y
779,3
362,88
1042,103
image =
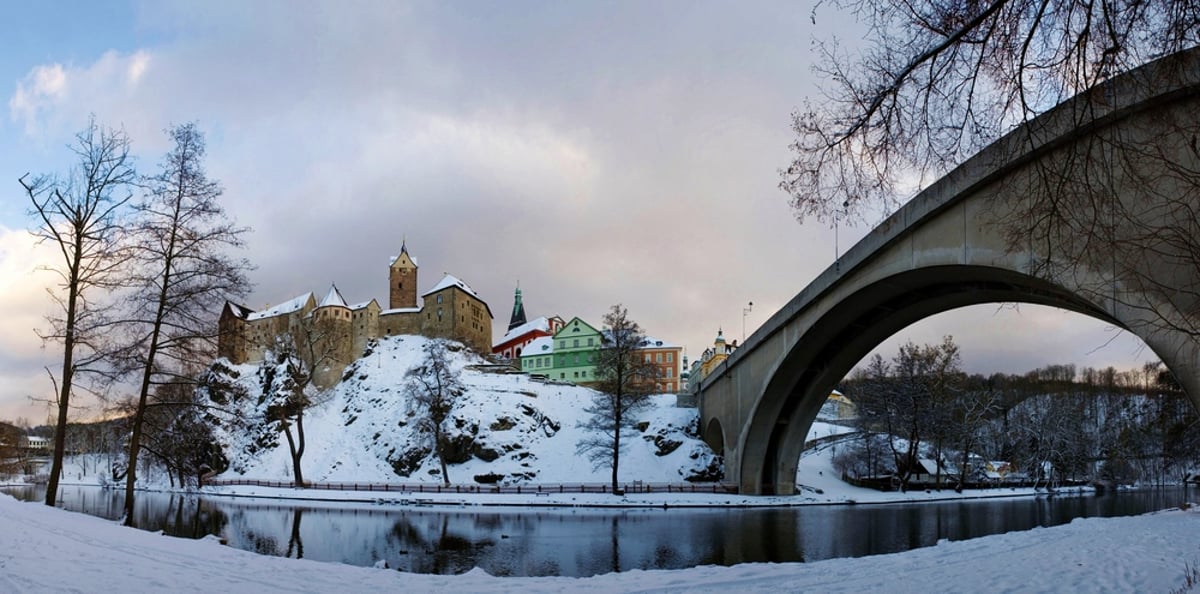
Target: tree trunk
x,y
68,376
297,475
299,455
148,373
439,448
617,414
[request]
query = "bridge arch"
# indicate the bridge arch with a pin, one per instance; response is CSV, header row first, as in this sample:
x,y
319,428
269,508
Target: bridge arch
x,y
847,332
943,250
714,436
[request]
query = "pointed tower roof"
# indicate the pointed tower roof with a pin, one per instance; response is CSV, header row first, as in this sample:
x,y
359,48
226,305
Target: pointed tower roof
x,y
403,253
518,312
333,298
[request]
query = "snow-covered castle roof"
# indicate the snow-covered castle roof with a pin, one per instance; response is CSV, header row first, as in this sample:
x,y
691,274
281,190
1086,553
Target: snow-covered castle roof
x,y
291,306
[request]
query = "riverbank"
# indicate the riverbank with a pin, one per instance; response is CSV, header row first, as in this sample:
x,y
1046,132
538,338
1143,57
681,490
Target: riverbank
x,y
816,476
50,550
598,500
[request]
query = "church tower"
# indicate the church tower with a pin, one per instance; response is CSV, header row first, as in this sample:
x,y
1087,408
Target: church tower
x,y
402,280
518,313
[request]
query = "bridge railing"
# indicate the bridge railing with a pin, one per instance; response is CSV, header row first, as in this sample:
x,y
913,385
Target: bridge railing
x,y
632,487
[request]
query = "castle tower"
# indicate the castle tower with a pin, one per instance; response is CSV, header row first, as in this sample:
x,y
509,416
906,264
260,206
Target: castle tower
x,y
518,313
402,280
329,338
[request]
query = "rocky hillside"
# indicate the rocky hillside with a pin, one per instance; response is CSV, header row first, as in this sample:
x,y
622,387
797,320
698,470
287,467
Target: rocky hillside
x,y
506,428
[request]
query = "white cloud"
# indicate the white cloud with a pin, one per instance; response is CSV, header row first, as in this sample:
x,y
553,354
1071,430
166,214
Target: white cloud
x,y
597,154
53,101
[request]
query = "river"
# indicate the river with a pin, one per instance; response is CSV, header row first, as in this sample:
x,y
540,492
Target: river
x,y
582,542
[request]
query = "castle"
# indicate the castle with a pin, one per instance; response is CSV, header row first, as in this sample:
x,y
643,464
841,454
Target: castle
x,y
332,333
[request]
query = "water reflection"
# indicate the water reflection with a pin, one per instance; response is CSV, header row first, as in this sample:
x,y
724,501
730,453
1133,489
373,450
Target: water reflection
x,y
582,542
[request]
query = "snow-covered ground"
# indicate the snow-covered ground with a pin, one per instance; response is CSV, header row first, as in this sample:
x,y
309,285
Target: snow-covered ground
x,y
818,479
50,550
506,426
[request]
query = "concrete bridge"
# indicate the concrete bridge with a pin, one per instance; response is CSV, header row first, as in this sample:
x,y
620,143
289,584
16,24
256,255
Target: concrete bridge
x,y
947,249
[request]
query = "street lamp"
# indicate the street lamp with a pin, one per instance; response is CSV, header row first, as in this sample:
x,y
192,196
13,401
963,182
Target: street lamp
x,y
745,312
837,252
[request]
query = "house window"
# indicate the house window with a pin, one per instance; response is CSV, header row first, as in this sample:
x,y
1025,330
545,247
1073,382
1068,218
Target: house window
x,y
646,357
670,372
576,345
670,357
576,375
562,344
658,357
583,373
589,342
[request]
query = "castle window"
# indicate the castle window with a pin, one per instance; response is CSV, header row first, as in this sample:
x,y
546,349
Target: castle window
x,y
439,299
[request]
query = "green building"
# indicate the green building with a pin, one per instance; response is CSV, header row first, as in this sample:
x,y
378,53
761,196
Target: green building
x,y
570,355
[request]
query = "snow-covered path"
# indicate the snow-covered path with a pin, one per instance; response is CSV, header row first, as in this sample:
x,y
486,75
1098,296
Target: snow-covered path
x,y
49,550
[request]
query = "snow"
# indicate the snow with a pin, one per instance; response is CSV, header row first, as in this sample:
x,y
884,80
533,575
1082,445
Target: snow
x,y
649,342
363,429
451,281
395,310
287,307
333,298
540,346
50,550
542,323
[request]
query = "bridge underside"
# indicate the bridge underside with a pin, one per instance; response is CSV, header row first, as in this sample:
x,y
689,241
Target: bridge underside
x,y
1123,162
838,340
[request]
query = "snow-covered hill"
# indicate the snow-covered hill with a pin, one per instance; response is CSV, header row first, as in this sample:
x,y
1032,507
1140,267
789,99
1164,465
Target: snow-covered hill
x,y
507,429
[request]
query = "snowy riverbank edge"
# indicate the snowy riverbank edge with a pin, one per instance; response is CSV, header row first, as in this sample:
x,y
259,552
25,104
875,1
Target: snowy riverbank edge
x,y
848,496
597,500
50,550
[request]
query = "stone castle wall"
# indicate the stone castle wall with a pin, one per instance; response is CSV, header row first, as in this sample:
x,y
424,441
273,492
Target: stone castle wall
x,y
344,333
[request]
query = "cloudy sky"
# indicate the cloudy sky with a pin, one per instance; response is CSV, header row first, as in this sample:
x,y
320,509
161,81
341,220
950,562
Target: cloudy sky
x,y
596,153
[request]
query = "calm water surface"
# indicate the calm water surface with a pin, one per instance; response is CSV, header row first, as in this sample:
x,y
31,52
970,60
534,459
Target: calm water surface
x,y
582,542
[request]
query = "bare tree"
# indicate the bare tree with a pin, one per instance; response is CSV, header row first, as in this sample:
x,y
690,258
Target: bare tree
x,y
433,388
79,216
910,399
287,376
176,433
978,403
623,387
182,273
941,79
12,449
